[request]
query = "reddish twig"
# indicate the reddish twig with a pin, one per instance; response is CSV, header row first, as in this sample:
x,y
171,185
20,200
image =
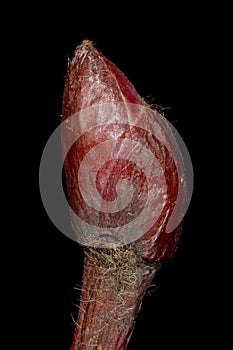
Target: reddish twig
x,y
114,283
116,276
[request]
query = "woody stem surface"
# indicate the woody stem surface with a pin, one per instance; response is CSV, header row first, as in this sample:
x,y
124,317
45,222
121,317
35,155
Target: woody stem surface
x,y
114,283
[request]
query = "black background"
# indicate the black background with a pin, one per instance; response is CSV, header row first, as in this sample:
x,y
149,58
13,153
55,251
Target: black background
x,y
166,52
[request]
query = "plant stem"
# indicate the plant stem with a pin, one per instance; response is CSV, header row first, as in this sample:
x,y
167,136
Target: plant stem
x,y
114,283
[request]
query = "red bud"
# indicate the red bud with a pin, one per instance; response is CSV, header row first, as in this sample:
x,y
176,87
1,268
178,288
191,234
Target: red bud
x,y
92,79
